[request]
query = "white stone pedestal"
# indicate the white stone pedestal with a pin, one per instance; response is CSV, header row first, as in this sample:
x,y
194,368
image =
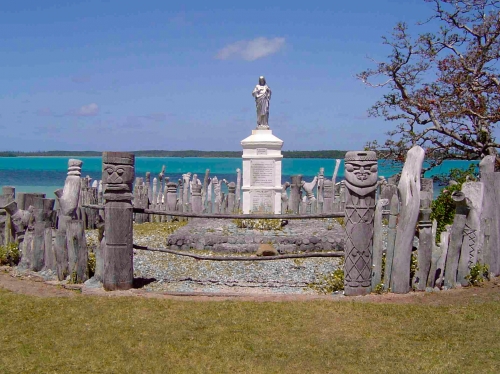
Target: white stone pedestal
x,y
262,172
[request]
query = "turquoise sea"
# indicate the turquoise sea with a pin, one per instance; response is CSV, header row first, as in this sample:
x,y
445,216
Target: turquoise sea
x,y
46,174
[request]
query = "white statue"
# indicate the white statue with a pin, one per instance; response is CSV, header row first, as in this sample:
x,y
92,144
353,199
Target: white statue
x,y
262,94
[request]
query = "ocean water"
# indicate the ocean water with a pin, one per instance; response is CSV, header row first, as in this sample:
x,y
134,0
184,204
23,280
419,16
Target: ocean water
x,y
46,174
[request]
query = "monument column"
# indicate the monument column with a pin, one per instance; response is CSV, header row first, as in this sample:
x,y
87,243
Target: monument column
x,y
262,160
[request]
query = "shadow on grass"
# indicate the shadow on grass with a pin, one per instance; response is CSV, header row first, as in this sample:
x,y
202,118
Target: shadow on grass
x,y
142,282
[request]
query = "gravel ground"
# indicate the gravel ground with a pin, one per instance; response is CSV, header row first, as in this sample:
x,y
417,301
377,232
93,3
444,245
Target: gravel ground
x,y
173,273
182,274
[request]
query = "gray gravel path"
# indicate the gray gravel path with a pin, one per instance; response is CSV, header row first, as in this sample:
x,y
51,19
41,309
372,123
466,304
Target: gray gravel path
x,y
170,273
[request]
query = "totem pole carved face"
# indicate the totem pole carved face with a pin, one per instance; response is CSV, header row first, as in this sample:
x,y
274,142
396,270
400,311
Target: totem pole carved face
x,y
118,174
118,171
361,168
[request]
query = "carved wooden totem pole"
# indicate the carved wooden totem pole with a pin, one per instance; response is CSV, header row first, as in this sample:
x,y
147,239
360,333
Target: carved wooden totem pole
x,y
117,176
361,172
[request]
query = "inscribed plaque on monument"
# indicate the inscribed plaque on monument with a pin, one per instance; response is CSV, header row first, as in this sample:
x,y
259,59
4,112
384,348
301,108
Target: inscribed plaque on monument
x,y
262,173
261,151
262,201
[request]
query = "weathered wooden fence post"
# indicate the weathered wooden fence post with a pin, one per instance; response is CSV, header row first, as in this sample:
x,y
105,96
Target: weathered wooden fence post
x,y
387,190
295,186
425,240
391,240
171,196
196,204
284,197
77,251
185,191
473,237
319,190
68,203
342,195
118,175
456,239
231,198
238,191
8,196
361,172
204,189
409,191
328,187
491,212
138,192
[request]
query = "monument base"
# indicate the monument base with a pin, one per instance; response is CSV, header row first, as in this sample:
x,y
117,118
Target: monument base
x,y
262,172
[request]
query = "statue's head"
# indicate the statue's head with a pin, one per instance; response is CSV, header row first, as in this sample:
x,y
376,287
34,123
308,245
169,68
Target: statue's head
x,y
262,81
118,170
361,168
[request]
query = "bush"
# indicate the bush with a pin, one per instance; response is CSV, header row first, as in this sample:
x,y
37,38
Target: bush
x,y
9,254
478,274
259,224
443,207
331,282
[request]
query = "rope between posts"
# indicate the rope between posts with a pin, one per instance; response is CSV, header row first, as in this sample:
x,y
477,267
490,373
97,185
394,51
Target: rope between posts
x,y
229,216
240,258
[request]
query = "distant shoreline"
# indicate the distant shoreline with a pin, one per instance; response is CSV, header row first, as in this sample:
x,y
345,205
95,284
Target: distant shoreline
x,y
326,154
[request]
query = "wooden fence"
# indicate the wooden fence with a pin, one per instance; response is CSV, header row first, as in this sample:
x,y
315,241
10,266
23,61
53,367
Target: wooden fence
x,y
387,221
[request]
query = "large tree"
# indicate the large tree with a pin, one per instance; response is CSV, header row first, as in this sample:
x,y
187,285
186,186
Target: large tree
x,y
442,85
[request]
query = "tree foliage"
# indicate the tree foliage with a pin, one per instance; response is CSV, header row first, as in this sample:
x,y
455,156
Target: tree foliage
x,y
442,84
443,207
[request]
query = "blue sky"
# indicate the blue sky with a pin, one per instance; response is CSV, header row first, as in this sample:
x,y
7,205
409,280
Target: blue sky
x,y
132,75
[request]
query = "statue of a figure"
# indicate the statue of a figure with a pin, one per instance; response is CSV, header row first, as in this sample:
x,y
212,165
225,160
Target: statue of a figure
x,y
262,94
361,174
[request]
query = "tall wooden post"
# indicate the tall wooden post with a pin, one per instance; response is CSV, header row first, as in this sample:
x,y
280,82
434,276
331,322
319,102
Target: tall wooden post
x,y
425,238
361,172
238,191
328,195
171,196
491,213
8,195
118,175
456,239
378,244
409,192
473,237
196,204
231,197
391,239
295,199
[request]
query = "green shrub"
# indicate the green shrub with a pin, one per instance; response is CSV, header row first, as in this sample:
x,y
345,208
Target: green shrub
x,y
259,224
413,264
9,254
341,221
379,288
478,274
331,282
443,207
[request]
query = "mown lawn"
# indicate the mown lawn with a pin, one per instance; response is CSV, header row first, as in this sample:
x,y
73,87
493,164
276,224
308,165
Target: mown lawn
x,y
125,334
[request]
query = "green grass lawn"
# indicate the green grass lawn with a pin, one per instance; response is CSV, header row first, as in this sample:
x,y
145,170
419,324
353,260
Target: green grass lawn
x,y
133,334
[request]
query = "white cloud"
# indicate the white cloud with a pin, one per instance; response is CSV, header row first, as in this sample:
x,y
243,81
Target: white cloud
x,y
250,50
87,110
